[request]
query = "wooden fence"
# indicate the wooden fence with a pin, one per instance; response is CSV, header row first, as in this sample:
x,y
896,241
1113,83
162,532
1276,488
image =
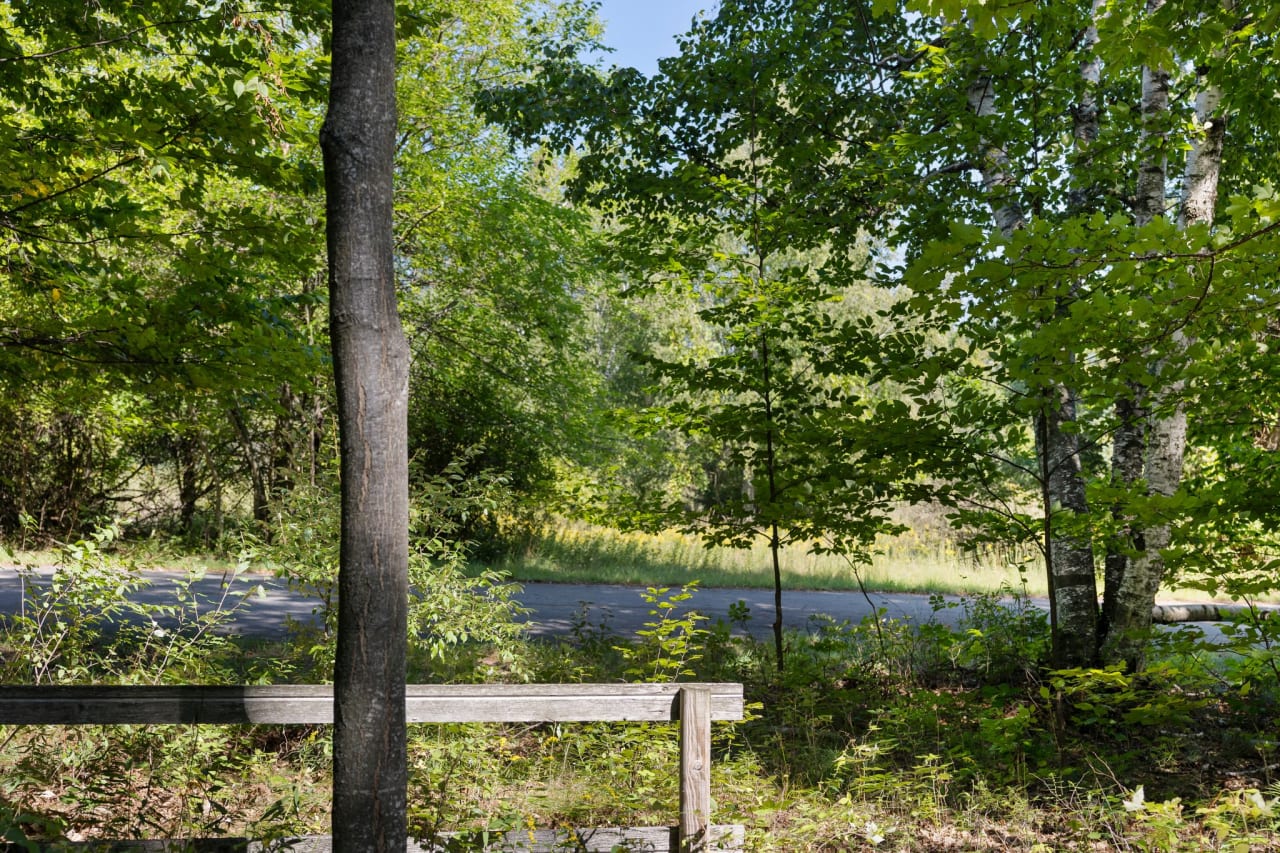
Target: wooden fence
x,y
694,705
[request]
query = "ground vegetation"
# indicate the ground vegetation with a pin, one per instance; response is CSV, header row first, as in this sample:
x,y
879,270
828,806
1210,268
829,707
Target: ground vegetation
x,y
838,270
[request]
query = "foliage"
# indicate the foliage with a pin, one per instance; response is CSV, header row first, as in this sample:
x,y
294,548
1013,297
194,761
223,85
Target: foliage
x,y
495,273
163,352
746,172
879,730
82,622
1074,277
1002,638
668,645
18,828
717,193
836,310
454,619
157,238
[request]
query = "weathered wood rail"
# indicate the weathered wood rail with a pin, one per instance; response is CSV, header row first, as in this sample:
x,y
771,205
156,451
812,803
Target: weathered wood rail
x,y
695,706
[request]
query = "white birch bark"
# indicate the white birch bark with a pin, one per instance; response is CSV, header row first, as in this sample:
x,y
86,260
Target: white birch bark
x,y
1086,117
997,178
1085,126
1073,589
1121,589
1149,198
1204,162
1167,425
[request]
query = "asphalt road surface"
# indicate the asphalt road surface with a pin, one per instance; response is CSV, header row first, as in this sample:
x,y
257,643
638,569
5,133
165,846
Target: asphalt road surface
x,y
622,609
554,608
263,604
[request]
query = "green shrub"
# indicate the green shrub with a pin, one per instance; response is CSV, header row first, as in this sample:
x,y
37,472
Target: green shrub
x,y
84,624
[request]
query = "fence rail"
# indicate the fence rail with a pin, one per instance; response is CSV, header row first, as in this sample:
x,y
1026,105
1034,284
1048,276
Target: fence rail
x,y
694,705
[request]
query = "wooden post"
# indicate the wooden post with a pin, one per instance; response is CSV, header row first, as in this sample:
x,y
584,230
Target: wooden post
x,y
695,705
695,768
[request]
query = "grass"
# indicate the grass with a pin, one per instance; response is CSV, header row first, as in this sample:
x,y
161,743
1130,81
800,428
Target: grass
x,y
147,555
881,735
925,561
576,552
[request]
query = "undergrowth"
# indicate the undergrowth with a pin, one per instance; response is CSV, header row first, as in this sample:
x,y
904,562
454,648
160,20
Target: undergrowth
x,y
879,735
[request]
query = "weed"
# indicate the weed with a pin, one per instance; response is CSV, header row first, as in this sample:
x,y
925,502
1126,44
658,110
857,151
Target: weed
x,y
669,643
880,735
84,622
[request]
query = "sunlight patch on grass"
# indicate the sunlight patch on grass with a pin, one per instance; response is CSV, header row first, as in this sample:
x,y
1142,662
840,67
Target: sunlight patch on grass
x,y
920,560
582,553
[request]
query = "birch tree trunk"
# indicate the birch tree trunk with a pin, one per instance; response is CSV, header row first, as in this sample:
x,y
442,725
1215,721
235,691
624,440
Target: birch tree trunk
x,y
1152,439
1069,558
1167,423
371,361
1121,590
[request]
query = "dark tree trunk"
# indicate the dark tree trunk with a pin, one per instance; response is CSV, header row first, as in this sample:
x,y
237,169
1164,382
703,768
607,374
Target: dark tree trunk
x,y
371,362
257,471
771,461
1069,554
184,453
283,444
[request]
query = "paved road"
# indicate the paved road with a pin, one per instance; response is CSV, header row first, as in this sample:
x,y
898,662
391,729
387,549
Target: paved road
x,y
554,608
622,609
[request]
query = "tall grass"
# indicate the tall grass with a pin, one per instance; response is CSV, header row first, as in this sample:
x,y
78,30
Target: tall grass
x,y
571,551
925,559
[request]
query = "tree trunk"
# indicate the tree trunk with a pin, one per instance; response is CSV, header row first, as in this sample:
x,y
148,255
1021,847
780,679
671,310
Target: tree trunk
x,y
1069,557
1167,425
257,471
1128,447
371,360
184,455
1124,584
771,463
1160,458
289,422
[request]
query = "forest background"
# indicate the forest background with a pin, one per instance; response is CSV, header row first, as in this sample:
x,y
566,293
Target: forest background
x,y
834,268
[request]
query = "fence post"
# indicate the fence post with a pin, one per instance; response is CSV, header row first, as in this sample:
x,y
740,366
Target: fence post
x,y
695,768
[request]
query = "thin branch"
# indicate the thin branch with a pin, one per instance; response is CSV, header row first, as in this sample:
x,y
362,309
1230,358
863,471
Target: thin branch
x,y
951,169
100,43
133,158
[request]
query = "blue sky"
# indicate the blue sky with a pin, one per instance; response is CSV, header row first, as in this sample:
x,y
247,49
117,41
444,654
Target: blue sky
x,y
641,31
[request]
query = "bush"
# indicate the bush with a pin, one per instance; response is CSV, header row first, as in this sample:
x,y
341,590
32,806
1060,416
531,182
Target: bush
x,y
84,624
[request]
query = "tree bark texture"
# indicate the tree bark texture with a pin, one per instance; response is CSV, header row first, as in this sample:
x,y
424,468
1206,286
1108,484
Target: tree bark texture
x,y
1128,440
1084,118
1069,555
997,177
1149,200
1157,454
1128,448
1069,558
371,361
1124,583
185,448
